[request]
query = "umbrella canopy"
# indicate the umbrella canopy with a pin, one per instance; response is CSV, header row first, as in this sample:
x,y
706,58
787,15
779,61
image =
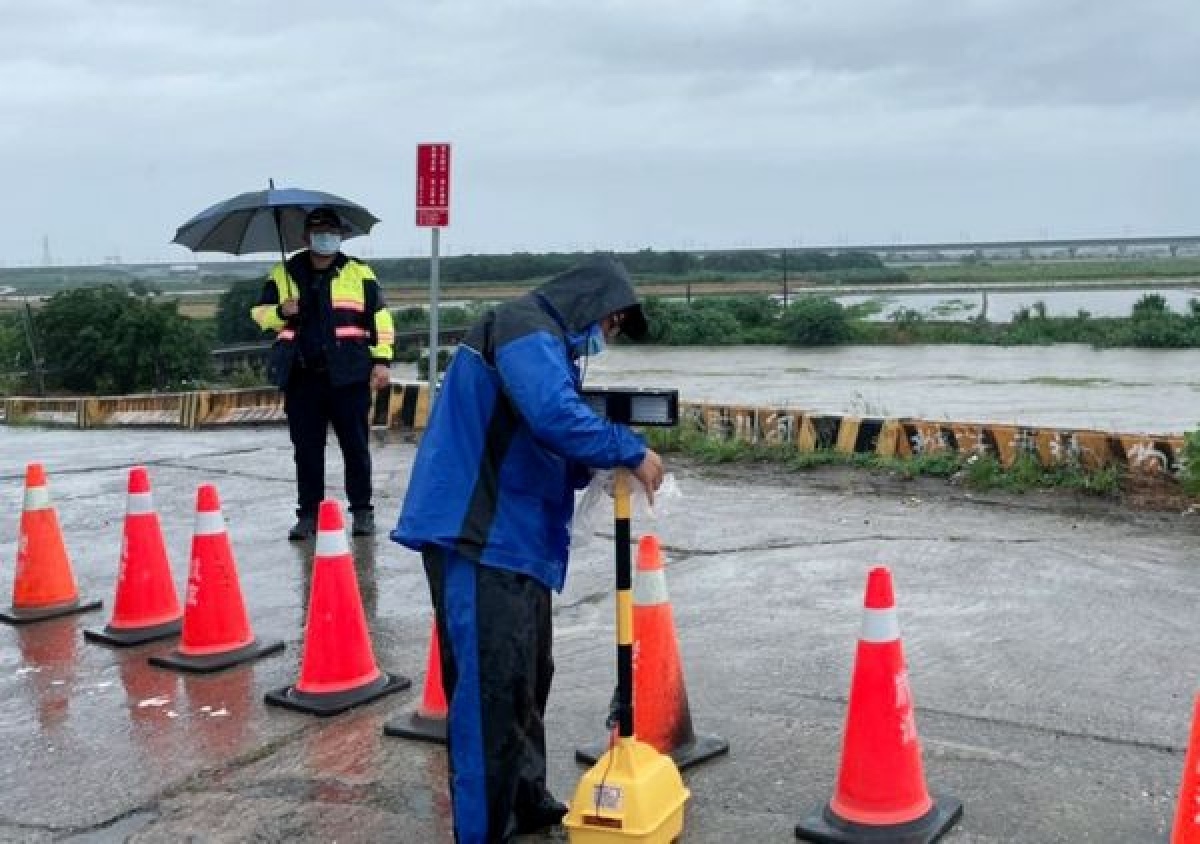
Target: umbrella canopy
x,y
266,221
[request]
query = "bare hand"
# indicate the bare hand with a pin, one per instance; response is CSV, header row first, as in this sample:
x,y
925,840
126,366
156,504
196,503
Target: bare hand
x,y
381,376
650,473
290,308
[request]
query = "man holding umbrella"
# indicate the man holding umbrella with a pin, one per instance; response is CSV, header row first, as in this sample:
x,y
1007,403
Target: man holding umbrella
x,y
333,346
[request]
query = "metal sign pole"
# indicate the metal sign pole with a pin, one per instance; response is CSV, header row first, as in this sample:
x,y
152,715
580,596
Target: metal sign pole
x,y
433,211
433,312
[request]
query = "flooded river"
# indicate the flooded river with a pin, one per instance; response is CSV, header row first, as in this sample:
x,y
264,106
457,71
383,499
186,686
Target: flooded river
x,y
1067,385
1130,390
1002,306
1127,390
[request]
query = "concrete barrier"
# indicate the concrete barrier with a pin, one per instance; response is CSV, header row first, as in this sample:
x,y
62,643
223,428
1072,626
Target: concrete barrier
x,y
68,412
403,407
251,406
902,437
406,407
150,410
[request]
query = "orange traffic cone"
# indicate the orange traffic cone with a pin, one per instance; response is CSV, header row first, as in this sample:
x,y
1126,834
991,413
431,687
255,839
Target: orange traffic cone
x,y
1186,829
216,630
661,716
337,669
44,586
428,721
146,608
881,794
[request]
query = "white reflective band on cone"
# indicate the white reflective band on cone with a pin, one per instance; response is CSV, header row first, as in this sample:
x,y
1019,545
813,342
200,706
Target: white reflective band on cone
x,y
880,626
650,588
331,543
139,502
209,523
37,498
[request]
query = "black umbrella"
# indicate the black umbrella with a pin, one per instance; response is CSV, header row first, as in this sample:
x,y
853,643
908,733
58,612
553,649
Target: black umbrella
x,y
266,220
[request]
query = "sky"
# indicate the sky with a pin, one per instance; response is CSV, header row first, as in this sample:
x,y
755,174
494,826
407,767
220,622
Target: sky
x,y
602,124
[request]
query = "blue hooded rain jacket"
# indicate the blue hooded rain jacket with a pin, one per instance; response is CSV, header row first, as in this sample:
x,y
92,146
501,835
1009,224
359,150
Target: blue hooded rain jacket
x,y
510,438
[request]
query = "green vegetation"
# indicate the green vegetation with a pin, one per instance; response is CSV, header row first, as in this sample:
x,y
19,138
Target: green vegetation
x,y
980,472
233,322
1191,464
814,321
417,319
103,340
14,355
819,321
1037,271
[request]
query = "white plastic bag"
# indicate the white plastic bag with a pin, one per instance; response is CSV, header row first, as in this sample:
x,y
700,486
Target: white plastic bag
x,y
594,508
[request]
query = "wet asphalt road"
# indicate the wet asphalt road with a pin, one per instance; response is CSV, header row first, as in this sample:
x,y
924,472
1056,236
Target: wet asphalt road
x,y
1052,655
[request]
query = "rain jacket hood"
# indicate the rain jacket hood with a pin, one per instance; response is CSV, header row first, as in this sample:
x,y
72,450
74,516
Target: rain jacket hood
x,y
587,293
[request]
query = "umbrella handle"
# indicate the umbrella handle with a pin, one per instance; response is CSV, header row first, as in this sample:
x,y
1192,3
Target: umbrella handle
x,y
282,249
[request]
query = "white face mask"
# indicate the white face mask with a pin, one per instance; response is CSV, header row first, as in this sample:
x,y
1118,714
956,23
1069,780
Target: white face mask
x,y
325,243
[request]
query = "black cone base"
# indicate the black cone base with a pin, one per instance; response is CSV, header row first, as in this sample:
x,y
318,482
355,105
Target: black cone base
x,y
417,726
12,615
127,637
177,661
699,749
335,702
824,827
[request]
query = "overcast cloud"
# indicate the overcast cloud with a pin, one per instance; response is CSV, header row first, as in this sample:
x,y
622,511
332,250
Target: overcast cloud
x,y
603,123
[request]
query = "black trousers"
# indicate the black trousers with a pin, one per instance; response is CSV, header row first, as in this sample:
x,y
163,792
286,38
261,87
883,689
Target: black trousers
x,y
495,632
312,404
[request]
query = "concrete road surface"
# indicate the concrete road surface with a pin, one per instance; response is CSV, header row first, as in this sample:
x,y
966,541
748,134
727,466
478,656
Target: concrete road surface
x,y
1052,649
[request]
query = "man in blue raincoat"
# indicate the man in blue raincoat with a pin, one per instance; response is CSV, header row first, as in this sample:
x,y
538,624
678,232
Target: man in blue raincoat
x,y
489,506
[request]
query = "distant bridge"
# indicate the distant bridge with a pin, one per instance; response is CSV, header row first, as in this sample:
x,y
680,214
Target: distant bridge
x,y
228,359
1070,246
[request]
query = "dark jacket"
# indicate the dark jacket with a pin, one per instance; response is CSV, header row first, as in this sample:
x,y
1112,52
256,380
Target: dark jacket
x,y
510,438
343,325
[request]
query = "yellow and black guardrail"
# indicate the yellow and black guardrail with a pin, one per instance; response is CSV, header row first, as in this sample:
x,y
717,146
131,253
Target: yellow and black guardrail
x,y
406,407
402,406
903,437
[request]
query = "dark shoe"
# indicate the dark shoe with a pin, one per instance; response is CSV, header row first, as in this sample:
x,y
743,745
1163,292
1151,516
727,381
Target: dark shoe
x,y
305,528
549,812
363,524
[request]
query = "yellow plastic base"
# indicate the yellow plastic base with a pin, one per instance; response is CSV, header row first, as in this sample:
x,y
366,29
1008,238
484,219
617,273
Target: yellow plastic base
x,y
632,793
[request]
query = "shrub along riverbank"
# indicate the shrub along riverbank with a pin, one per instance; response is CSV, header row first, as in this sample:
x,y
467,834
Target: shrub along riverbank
x,y
819,321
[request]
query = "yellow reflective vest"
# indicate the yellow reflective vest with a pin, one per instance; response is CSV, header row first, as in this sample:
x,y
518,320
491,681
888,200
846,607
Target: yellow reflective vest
x,y
357,329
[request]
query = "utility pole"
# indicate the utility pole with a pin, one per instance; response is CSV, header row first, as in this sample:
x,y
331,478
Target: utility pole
x,y
785,279
35,358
